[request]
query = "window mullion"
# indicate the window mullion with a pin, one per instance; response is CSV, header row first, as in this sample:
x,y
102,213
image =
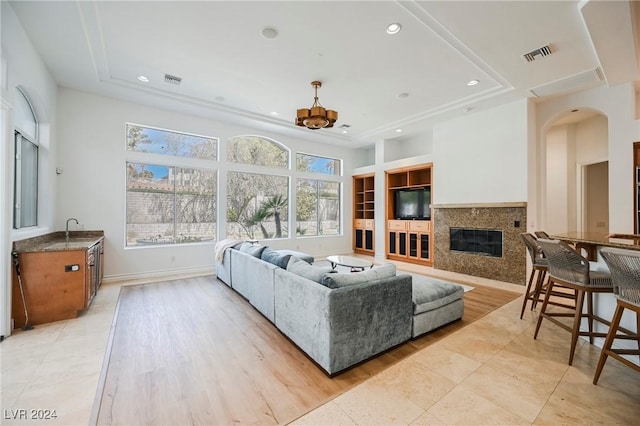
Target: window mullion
x,y
175,204
17,190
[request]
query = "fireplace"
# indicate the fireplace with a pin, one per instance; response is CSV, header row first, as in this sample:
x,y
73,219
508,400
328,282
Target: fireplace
x,y
486,242
482,240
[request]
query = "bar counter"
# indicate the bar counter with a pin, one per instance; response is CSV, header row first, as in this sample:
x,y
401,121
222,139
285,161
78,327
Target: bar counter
x,y
590,241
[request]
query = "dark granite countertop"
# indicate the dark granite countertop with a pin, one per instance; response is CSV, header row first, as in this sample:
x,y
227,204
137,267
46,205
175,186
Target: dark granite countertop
x,y
55,241
623,241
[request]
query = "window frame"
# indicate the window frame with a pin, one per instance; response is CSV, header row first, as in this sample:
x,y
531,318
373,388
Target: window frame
x,y
340,218
21,135
176,162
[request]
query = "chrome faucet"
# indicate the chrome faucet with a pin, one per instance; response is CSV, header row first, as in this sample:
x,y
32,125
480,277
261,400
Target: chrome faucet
x,y
66,232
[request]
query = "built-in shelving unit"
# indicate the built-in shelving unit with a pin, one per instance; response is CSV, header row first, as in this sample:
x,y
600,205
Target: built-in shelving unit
x,y
410,239
363,213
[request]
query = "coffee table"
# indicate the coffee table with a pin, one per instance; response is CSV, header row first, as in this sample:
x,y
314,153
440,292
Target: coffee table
x,y
356,264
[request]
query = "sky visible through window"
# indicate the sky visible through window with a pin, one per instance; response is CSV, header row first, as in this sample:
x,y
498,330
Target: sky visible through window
x,y
164,142
322,165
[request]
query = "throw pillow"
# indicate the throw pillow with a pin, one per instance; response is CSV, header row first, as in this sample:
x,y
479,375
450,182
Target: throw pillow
x,y
343,280
278,259
252,249
310,272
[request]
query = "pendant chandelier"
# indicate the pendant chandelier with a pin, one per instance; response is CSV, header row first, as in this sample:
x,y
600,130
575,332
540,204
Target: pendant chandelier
x,y
316,117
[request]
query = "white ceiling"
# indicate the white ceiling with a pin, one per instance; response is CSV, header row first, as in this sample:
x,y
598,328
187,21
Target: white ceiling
x,y
231,72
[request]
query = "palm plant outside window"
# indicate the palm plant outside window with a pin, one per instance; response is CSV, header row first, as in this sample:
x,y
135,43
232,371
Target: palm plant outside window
x,y
257,203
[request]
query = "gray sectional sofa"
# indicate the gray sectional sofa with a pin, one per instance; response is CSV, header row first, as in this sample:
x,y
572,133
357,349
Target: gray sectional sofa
x,y
337,319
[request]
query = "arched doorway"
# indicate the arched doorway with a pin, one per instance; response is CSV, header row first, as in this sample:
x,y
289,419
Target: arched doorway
x,y
577,175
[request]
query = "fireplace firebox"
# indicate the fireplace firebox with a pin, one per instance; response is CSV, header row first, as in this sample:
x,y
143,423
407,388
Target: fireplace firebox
x,y
485,242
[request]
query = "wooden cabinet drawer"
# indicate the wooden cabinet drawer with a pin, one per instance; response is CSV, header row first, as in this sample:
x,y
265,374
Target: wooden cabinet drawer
x,y
397,225
369,223
420,226
359,223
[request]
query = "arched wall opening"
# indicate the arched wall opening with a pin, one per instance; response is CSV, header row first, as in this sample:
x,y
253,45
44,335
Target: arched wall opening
x,y
575,173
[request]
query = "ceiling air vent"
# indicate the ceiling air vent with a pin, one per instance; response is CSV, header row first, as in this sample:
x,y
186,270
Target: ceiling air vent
x,y
168,78
533,55
344,126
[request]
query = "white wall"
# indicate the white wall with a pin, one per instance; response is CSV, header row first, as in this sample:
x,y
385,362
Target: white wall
x,y
400,148
22,66
92,186
592,140
482,157
560,167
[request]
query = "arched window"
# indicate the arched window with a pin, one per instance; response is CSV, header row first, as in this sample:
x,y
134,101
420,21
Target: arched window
x,y
257,151
25,205
257,203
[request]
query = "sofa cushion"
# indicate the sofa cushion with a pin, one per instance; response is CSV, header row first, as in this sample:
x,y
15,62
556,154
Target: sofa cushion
x,y
239,244
252,249
303,256
303,269
432,294
276,258
343,280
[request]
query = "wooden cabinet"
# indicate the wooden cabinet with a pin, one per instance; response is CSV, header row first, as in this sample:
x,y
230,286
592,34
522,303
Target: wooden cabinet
x,y
410,238
364,214
57,285
95,272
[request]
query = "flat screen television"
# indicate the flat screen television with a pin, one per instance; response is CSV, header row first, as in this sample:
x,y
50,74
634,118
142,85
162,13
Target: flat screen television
x,y
412,204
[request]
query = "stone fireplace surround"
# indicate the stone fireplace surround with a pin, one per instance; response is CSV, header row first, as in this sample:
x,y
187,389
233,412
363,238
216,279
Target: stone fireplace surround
x,y
511,218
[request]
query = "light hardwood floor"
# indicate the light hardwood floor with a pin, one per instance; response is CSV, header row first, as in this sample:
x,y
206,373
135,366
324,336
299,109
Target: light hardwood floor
x,y
195,351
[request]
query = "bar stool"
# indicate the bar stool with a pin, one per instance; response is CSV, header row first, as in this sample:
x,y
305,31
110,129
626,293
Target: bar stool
x,y
538,271
569,269
625,272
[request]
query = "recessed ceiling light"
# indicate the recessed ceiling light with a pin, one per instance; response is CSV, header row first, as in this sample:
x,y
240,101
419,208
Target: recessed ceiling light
x,y
269,33
274,113
398,130
345,131
403,95
468,109
394,28
473,82
143,78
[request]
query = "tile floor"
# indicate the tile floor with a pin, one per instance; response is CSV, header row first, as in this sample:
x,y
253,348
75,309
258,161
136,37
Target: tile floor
x,y
490,372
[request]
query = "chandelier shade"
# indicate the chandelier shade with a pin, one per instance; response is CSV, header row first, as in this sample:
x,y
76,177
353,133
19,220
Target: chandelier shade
x,y
316,117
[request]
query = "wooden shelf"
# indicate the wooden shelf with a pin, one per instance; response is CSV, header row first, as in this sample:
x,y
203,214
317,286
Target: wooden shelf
x,y
363,213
